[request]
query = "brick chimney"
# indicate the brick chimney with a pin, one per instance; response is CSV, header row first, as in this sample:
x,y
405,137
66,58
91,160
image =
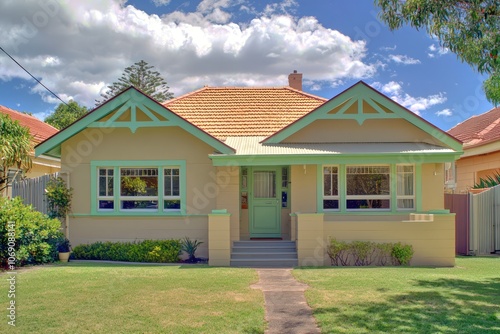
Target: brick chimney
x,y
295,80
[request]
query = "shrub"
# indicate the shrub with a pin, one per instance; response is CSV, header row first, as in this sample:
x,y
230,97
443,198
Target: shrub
x,y
36,235
402,253
338,251
163,251
58,197
362,252
384,255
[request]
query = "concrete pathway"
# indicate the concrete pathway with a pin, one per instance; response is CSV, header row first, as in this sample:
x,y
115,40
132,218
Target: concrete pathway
x,y
286,308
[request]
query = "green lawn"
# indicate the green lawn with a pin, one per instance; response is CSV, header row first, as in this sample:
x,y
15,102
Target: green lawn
x,y
464,299
112,298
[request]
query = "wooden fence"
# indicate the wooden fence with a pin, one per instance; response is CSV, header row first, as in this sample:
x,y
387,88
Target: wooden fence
x,y
477,221
32,191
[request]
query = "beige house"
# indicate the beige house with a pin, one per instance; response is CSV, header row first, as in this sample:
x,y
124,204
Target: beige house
x,y
480,135
40,131
237,167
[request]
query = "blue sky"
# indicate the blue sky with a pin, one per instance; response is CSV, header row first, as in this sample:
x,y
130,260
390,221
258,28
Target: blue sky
x,y
77,48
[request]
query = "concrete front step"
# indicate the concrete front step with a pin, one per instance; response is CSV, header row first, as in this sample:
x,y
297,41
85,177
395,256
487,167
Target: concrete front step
x,y
264,253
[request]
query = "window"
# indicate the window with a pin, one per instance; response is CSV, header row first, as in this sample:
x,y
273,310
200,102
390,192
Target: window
x,y
330,188
405,187
368,187
105,191
123,187
171,198
284,187
139,188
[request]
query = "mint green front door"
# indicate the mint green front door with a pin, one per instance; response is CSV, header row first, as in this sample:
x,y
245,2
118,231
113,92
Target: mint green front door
x,y
265,204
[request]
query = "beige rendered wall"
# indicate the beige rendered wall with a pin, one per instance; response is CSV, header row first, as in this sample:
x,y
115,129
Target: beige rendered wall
x,y
372,130
432,241
470,169
303,188
84,230
228,187
432,187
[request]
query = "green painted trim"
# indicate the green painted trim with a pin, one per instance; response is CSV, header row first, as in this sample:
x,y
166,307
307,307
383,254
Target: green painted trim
x,y
418,187
116,164
362,91
393,179
344,108
319,188
220,160
131,125
128,98
342,189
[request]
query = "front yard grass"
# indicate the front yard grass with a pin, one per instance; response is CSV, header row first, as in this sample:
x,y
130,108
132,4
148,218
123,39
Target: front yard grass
x,y
113,298
463,299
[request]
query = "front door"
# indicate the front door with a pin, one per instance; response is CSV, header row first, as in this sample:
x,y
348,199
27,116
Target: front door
x,y
265,204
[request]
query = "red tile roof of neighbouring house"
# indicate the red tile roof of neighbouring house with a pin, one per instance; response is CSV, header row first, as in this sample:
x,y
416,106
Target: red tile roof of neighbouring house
x,y
479,129
38,129
243,111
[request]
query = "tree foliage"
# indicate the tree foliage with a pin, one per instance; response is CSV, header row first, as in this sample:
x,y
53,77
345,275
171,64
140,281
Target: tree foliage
x,y
65,114
15,148
470,29
142,76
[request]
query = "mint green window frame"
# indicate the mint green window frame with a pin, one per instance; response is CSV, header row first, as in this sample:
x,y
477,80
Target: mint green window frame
x,y
342,191
116,165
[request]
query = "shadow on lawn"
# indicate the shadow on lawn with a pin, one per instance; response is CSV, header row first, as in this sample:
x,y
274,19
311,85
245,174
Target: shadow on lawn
x,y
444,306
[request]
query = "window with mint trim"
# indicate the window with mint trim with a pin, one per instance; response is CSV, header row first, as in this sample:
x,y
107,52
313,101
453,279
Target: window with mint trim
x,y
172,194
138,188
368,187
105,189
405,187
330,188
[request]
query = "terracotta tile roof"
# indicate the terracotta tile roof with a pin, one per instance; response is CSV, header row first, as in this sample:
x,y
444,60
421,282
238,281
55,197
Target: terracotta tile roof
x,y
243,111
38,129
479,129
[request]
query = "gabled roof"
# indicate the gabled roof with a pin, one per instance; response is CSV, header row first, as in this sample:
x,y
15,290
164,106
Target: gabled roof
x,y
243,111
38,129
361,102
479,129
130,109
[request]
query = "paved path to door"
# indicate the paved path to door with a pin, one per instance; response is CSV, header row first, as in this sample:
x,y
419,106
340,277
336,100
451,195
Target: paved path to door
x,y
286,308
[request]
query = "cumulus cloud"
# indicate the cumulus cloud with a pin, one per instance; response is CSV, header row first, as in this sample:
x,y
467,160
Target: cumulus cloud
x,y
416,104
436,50
78,48
402,59
159,3
444,112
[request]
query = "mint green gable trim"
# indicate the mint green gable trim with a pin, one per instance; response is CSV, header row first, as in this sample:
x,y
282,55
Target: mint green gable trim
x,y
116,164
361,92
131,98
332,159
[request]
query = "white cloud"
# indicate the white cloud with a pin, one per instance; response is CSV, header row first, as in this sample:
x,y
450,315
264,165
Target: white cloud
x,y
444,112
437,50
159,3
85,45
388,48
395,91
402,59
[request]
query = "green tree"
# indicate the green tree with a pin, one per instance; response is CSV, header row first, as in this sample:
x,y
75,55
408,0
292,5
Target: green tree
x,y
469,28
15,149
65,114
142,76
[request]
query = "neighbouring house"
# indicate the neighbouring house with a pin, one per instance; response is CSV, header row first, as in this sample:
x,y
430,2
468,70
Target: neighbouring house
x,y
480,135
227,165
40,131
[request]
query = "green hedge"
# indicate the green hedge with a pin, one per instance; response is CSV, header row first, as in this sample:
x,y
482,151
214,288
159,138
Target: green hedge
x,y
163,251
35,235
366,253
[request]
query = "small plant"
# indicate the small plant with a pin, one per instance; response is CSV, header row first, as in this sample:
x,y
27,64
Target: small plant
x,y
63,246
338,251
402,254
488,182
384,251
363,252
190,247
58,198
